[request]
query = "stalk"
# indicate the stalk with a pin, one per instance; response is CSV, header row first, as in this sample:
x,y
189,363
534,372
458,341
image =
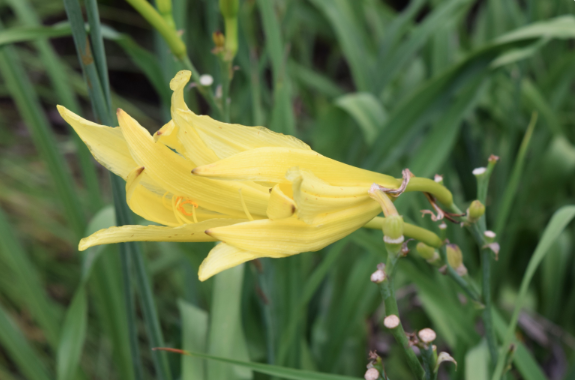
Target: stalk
x,y
100,97
387,291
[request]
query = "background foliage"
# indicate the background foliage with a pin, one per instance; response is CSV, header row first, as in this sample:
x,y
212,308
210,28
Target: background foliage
x,y
436,86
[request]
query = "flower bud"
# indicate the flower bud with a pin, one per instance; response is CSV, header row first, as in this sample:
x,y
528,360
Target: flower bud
x,y
475,211
454,256
425,251
371,374
393,229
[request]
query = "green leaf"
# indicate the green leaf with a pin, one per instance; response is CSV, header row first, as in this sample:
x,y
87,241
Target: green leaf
x,y
72,338
226,337
32,33
558,222
366,110
31,294
351,38
267,369
477,362
19,350
194,338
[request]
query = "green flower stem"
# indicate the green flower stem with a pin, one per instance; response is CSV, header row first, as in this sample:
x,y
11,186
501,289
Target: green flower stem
x,y
477,233
387,290
467,288
428,359
487,311
159,23
426,185
204,91
409,230
226,75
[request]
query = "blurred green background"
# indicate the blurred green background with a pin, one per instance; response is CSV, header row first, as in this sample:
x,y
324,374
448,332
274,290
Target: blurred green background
x,y
434,86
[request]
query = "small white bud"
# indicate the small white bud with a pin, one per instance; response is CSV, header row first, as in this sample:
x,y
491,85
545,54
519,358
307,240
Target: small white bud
x,y
427,335
371,374
206,80
438,178
378,276
391,321
479,171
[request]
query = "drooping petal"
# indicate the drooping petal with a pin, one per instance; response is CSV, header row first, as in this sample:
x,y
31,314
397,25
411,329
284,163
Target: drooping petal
x,y
315,197
106,144
174,173
280,205
271,165
291,236
186,233
224,256
219,140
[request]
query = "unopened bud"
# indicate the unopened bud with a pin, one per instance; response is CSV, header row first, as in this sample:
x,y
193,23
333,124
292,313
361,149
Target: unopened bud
x,y
489,236
454,256
378,276
391,321
425,251
371,374
475,211
393,229
427,335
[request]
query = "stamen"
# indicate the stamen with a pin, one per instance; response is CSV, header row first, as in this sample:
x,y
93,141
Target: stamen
x,y
175,210
244,206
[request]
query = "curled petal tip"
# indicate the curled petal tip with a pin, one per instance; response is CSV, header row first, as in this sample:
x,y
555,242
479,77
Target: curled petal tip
x,y
208,232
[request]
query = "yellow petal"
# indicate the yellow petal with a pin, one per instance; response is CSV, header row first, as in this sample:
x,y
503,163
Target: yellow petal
x,y
146,203
173,172
221,139
195,148
224,256
271,165
280,205
106,144
185,233
291,236
161,207
168,135
315,197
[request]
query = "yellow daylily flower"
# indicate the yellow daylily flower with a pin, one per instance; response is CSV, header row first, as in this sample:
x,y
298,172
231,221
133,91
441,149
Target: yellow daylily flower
x,y
260,193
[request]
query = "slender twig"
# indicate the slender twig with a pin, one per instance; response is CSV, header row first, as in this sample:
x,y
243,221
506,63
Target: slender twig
x,y
466,286
387,290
